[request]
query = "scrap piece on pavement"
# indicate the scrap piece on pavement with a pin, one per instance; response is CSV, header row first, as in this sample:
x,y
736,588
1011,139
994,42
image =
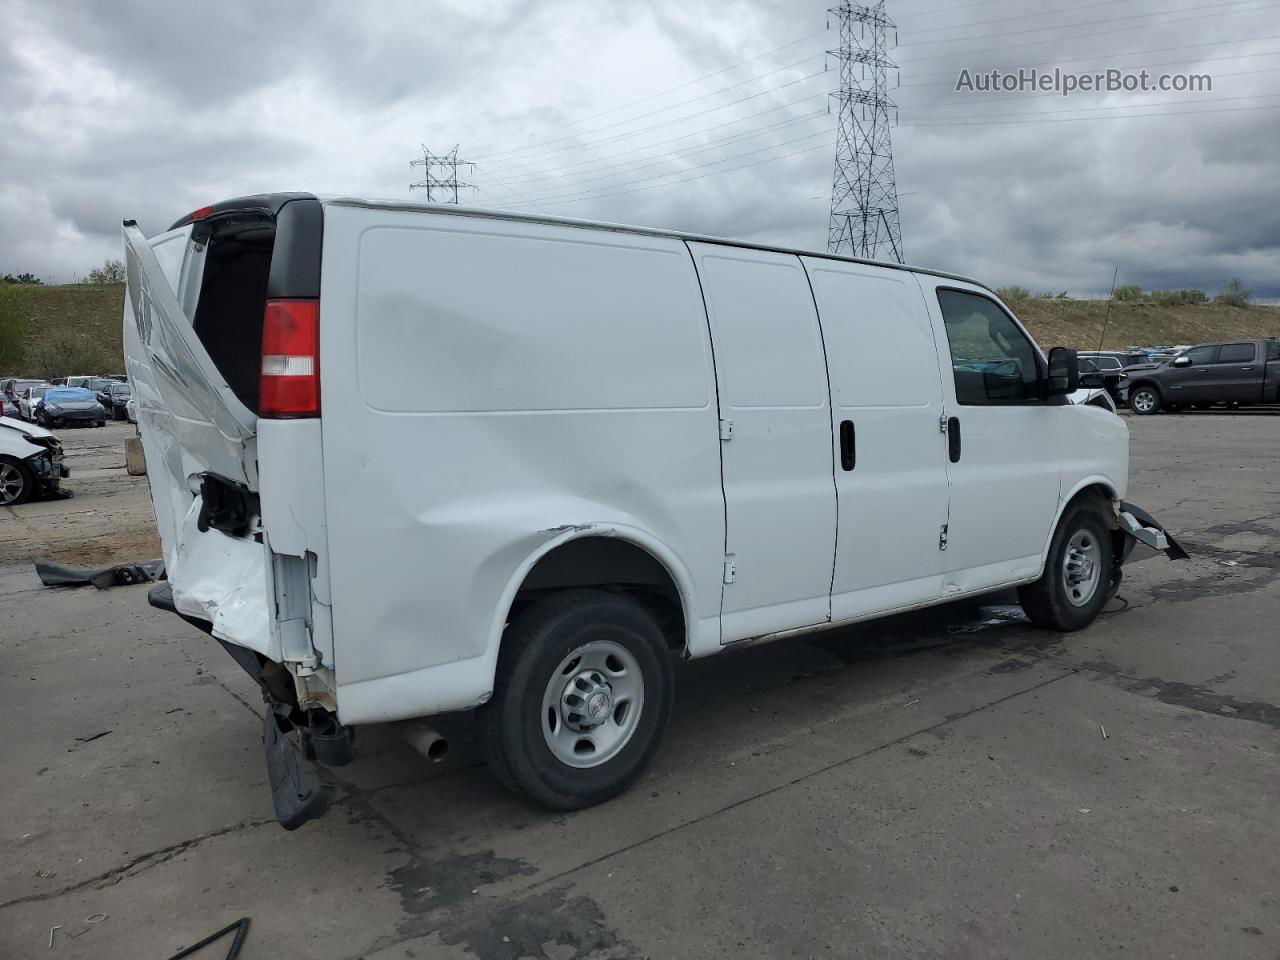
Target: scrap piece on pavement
x,y
56,575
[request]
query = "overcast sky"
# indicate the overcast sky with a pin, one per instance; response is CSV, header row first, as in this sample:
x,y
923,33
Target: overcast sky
x,y
610,110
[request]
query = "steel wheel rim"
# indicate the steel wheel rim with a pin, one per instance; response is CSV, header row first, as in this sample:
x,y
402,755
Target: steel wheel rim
x,y
1144,400
1082,567
592,704
11,483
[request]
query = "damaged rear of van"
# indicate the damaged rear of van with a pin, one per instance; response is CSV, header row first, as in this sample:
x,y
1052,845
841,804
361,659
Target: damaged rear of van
x,y
410,460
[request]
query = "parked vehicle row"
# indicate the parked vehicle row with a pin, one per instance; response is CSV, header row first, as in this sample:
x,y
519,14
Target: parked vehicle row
x,y
53,406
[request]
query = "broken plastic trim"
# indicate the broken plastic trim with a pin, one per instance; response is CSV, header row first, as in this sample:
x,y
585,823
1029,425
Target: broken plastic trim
x,y
1144,528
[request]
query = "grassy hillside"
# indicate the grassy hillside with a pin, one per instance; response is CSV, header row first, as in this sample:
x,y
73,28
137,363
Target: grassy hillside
x,y
76,328
1078,323
67,329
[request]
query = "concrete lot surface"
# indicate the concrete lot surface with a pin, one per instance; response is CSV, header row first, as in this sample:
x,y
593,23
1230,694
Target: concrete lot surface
x,y
935,785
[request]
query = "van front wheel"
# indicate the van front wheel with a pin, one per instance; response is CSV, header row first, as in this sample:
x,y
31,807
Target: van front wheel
x,y
1077,578
581,699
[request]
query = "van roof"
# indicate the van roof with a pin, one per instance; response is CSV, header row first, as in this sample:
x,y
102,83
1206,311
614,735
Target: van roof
x,y
271,203
463,211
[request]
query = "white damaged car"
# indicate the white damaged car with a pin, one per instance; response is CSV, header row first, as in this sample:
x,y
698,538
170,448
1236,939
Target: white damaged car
x,y
30,462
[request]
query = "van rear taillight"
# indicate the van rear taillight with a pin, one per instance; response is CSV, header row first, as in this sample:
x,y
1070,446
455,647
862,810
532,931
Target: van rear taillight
x,y
290,382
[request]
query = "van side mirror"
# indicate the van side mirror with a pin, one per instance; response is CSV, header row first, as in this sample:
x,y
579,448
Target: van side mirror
x,y
1064,372
1180,362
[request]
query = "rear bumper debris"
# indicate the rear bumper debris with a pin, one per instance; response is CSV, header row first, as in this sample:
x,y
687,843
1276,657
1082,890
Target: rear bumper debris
x,y
296,743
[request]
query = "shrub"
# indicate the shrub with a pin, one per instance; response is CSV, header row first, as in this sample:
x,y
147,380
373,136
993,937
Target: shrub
x,y
112,271
1175,298
1128,292
1013,293
1234,294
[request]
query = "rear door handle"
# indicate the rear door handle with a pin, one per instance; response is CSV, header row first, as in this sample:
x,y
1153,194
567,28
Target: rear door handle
x,y
848,446
953,439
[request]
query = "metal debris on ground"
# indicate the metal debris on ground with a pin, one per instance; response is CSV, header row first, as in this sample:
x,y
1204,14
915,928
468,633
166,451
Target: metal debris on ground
x,y
241,928
56,926
1104,732
56,575
93,736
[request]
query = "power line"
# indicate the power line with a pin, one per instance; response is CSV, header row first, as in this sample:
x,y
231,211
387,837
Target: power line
x,y
1125,106
951,75
654,113
1024,16
1066,26
680,154
671,122
696,133
1078,36
1133,116
806,150
662,176
680,86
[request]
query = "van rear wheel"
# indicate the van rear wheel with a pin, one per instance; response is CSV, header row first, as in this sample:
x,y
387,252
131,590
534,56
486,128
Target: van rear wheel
x,y
1078,575
581,699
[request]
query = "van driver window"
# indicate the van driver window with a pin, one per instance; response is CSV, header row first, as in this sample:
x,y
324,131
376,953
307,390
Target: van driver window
x,y
992,360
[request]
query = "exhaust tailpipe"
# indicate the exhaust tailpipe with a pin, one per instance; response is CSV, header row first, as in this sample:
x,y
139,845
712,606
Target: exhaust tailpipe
x,y
427,741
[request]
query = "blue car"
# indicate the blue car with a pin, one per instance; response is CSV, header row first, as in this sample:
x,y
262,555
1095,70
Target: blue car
x,y
66,405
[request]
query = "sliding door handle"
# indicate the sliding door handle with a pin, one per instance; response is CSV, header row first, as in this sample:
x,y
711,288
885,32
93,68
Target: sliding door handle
x,y
848,446
953,439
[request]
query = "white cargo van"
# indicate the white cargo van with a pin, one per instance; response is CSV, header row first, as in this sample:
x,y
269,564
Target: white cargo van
x,y
408,460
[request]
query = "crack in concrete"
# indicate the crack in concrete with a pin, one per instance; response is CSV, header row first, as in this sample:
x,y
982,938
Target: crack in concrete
x,y
137,865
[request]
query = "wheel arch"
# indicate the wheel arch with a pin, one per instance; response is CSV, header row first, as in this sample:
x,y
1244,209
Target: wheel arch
x,y
1153,384
1095,486
611,556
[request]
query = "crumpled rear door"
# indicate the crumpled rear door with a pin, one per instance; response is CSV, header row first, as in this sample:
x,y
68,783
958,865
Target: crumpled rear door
x,y
192,427
180,393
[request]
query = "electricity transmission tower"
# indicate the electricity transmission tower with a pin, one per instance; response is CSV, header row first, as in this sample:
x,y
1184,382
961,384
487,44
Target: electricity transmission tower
x,y
864,195
440,175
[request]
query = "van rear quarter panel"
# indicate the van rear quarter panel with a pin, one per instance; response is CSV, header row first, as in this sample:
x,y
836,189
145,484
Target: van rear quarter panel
x,y
487,384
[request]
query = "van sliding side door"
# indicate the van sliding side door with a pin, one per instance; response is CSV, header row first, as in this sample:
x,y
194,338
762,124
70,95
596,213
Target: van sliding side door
x,y
775,440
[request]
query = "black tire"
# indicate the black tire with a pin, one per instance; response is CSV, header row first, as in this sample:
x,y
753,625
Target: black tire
x,y
1047,602
1137,404
27,479
99,423
534,646
41,419
116,415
